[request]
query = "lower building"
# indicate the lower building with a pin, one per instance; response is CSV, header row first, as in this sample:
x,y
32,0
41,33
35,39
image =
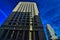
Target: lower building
x,y
51,33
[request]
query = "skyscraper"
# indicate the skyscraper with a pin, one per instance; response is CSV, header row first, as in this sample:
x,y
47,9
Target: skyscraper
x,y
51,33
23,23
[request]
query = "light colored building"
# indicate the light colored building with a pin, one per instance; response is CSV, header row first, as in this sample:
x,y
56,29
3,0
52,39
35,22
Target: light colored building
x,y
51,33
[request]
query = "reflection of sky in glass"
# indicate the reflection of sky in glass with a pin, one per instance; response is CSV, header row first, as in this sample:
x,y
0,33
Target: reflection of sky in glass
x,y
49,11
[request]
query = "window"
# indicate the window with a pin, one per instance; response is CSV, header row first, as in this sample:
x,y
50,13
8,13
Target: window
x,y
27,20
23,23
11,20
27,23
14,23
23,20
9,23
20,18
35,24
15,20
19,23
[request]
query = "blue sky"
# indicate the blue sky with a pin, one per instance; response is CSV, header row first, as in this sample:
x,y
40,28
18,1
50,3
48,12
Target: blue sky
x,y
49,11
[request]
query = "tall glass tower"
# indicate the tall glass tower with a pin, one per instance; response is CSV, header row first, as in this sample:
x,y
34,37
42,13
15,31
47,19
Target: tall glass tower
x,y
23,23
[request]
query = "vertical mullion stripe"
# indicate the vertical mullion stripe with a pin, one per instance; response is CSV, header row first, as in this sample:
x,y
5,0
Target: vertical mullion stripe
x,y
39,35
19,8
25,8
22,7
6,35
30,35
27,11
12,35
23,11
33,9
1,33
33,35
23,35
28,7
17,35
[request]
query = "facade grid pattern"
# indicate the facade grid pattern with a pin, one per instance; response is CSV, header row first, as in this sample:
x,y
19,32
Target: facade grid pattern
x,y
23,24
